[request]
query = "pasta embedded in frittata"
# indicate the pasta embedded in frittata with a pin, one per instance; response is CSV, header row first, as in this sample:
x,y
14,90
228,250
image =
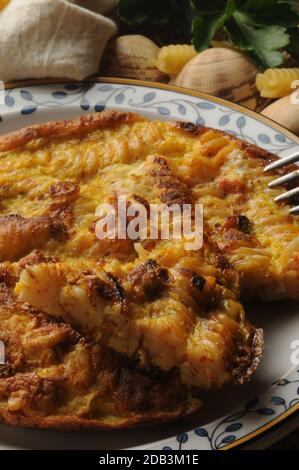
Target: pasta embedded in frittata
x,y
142,315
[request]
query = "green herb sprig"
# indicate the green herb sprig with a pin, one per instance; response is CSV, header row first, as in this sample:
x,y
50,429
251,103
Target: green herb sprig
x,y
261,28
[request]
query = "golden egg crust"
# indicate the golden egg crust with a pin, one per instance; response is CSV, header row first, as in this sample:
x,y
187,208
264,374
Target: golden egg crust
x,y
258,236
115,332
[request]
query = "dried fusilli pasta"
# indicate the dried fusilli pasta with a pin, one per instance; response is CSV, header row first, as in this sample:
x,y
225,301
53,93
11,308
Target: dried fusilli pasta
x,y
276,83
171,59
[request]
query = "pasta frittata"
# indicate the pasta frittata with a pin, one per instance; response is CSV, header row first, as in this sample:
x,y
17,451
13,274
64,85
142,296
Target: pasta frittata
x,y
105,333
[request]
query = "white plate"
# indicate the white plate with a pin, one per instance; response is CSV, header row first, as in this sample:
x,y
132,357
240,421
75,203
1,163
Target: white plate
x,y
237,417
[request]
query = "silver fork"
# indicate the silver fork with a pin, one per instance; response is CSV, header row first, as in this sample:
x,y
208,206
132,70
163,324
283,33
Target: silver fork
x,y
294,175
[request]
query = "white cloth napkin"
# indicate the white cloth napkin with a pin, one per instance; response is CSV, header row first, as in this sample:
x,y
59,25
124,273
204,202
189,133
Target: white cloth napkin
x,y
51,38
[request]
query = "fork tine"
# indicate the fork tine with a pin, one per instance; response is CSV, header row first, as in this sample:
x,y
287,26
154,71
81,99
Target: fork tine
x,y
283,162
287,195
284,179
294,210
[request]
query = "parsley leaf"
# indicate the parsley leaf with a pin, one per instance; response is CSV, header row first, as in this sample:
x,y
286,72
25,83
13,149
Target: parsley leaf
x,y
259,27
210,17
271,12
263,42
262,28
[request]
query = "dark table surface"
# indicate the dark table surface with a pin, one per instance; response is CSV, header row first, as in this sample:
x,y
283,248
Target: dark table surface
x,y
288,443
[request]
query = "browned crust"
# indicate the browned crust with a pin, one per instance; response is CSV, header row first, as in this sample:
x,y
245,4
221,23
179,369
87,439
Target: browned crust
x,y
249,357
172,189
139,395
65,191
20,235
253,151
109,289
68,128
73,423
147,280
81,125
250,354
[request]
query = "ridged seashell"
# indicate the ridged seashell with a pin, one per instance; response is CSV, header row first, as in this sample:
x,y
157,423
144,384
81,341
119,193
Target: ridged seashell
x,y
224,73
132,56
285,111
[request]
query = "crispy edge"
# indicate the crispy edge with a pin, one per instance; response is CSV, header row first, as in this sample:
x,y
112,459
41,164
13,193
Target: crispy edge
x,y
252,151
72,423
78,126
187,407
83,125
249,357
172,189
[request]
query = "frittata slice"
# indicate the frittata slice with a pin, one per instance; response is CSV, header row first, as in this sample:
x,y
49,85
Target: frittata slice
x,y
55,378
257,235
168,315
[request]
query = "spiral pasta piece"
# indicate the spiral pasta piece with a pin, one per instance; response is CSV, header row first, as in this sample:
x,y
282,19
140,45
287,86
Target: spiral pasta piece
x,y
171,59
276,83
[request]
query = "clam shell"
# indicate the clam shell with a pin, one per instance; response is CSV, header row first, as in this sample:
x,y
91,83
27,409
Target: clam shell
x,y
285,111
224,73
132,56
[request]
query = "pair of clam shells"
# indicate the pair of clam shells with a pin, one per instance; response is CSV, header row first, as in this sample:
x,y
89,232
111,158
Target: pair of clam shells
x,y
217,71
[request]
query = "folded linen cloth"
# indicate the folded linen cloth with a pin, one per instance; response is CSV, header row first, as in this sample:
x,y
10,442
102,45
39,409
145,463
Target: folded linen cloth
x,y
42,38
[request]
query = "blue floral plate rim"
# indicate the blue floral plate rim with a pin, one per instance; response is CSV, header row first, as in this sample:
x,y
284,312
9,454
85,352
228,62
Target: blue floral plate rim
x,y
29,99
160,86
